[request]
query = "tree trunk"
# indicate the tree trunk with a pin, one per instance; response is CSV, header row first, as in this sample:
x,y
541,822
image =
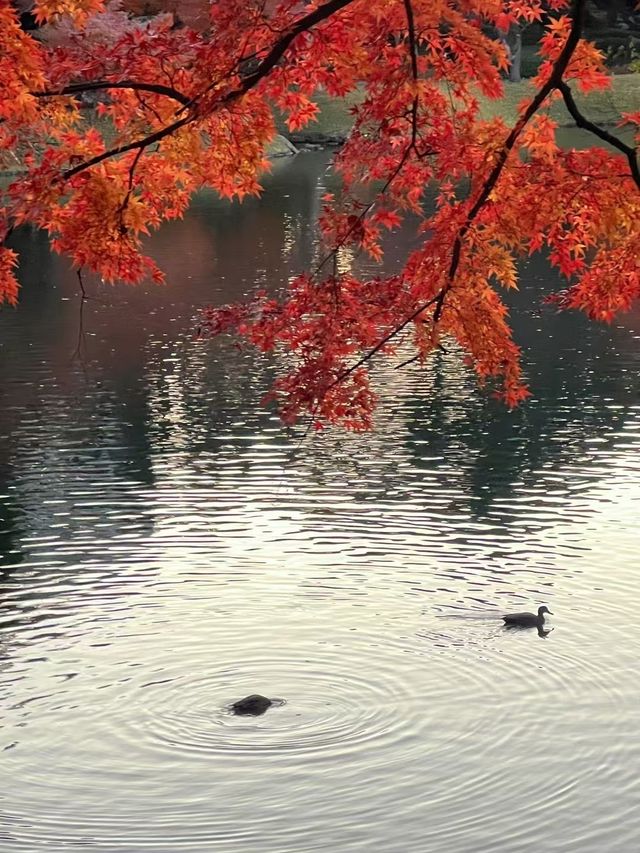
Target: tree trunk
x,y
515,46
512,40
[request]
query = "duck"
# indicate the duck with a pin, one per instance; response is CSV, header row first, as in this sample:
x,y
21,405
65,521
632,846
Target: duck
x,y
527,620
252,706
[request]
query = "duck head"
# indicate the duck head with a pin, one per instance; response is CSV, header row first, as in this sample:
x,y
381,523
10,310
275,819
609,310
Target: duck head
x,y
542,610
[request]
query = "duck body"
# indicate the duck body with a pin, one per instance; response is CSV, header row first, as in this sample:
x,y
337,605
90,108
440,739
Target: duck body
x,y
251,706
527,620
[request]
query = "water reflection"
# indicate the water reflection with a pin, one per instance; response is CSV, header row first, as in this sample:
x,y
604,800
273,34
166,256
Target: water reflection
x,y
167,547
541,631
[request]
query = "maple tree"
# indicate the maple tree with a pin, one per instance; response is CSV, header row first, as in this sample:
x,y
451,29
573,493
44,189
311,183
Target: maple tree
x,y
186,110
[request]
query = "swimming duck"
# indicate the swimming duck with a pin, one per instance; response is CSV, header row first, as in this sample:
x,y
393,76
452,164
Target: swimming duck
x,y
252,705
527,620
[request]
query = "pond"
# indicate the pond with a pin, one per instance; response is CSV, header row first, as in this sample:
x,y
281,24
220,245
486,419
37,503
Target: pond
x,y
168,548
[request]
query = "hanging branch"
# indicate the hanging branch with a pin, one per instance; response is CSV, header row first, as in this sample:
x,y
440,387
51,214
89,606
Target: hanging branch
x,y
555,81
97,85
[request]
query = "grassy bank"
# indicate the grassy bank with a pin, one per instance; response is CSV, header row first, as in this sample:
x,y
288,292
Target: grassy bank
x,y
601,107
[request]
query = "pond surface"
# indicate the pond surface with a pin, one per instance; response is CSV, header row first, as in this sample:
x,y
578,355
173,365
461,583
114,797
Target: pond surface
x,y
169,548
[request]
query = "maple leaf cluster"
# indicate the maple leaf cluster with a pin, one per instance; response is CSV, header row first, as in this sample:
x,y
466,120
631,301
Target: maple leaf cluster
x,y
182,110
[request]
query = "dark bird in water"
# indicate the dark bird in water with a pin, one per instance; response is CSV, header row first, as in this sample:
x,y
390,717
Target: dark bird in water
x,y
527,620
252,706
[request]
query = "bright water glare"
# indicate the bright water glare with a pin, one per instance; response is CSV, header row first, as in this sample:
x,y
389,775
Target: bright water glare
x,y
168,548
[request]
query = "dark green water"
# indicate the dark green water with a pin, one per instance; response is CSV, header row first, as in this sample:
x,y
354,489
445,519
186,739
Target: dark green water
x,y
167,548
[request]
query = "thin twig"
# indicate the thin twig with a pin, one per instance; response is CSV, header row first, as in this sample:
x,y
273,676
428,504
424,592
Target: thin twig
x,y
412,146
125,201
385,340
418,356
81,282
554,81
131,146
413,52
77,353
360,219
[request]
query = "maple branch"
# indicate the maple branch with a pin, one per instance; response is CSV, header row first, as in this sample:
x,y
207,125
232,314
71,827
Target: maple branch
x,y
125,201
276,53
413,51
385,340
411,32
417,356
79,88
131,146
554,82
583,122
278,50
412,146
77,353
360,219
